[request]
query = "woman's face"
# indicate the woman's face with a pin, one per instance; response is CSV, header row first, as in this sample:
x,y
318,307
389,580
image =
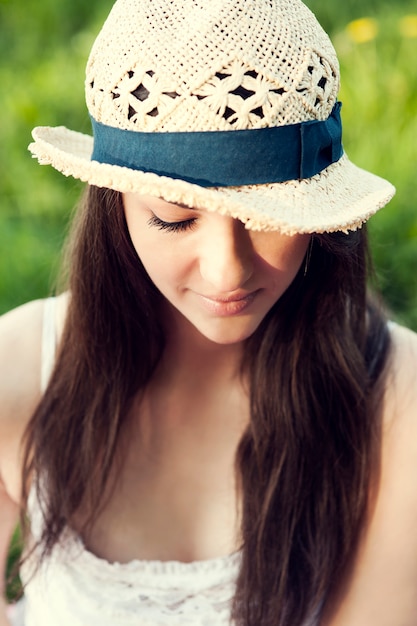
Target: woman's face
x,y
221,277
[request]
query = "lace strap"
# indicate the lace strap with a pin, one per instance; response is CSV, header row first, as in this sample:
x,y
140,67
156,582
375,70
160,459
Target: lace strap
x,y
49,341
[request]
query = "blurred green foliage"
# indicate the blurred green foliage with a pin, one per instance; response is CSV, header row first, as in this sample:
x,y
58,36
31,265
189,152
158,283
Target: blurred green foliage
x,y
43,48
14,587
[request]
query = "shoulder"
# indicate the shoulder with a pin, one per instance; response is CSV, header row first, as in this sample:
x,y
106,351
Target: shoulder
x,y
395,515
400,405
399,428
20,347
20,343
20,383
399,424
404,344
20,363
399,417
380,585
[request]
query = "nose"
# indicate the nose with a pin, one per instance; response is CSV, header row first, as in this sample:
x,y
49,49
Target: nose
x,y
226,257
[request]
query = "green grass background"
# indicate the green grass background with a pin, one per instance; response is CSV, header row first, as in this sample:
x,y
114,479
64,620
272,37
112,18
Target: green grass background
x,y
43,49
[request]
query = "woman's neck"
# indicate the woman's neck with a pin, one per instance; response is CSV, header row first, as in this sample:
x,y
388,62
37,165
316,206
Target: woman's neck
x,y
189,353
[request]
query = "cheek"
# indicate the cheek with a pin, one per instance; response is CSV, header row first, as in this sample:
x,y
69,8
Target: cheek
x,y
158,255
158,262
283,255
142,241
295,251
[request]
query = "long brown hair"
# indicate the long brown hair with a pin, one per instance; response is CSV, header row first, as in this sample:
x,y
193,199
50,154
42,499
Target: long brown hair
x,y
306,460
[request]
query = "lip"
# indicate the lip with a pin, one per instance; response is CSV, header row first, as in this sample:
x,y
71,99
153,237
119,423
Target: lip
x,y
225,306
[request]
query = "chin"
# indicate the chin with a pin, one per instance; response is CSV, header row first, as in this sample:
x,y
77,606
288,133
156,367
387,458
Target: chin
x,y
227,336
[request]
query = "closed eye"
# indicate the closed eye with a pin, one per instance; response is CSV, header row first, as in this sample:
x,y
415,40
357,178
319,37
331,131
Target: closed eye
x,y
173,227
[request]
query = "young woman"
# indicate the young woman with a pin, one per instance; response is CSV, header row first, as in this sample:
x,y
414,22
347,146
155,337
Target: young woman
x,y
214,422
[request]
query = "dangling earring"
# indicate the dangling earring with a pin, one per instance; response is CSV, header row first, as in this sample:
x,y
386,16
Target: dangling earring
x,y
308,256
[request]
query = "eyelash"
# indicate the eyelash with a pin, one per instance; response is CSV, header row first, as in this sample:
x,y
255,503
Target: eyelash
x,y
172,227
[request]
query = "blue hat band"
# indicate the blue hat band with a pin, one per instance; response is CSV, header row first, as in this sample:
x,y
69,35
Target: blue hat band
x,y
226,158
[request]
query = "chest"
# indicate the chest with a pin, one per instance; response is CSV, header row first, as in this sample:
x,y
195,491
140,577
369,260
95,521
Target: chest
x,y
174,496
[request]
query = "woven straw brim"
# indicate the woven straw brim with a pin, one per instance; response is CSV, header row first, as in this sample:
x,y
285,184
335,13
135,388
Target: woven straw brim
x,y
340,198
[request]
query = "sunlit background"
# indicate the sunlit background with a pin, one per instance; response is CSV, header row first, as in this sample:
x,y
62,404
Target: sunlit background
x,y
43,48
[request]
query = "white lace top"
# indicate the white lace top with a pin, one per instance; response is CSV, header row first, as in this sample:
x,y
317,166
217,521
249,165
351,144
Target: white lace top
x,y
75,588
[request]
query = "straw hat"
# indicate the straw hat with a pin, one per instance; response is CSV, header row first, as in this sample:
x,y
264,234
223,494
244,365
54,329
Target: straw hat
x,y
226,105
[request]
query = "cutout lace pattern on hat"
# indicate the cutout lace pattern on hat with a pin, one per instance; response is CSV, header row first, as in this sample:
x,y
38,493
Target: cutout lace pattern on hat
x,y
318,85
241,96
235,97
140,93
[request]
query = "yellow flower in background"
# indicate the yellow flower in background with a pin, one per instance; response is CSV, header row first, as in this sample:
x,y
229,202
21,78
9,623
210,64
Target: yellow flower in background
x,y
408,26
362,30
